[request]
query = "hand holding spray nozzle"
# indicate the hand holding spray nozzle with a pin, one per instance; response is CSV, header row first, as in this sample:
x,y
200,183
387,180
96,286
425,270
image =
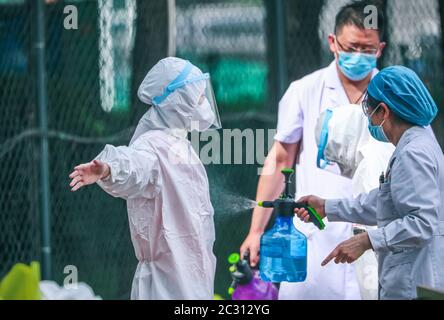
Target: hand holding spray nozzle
x,y
286,205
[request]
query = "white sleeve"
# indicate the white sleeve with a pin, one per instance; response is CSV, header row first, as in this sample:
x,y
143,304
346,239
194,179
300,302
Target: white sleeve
x,y
135,171
291,117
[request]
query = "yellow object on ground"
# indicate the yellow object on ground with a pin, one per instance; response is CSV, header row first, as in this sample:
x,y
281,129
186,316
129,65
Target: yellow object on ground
x,y
21,283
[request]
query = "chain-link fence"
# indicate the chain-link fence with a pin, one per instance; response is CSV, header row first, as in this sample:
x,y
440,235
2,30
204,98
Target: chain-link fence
x,y
92,76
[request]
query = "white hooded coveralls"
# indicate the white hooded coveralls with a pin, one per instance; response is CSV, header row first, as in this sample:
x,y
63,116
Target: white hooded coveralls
x,y
166,189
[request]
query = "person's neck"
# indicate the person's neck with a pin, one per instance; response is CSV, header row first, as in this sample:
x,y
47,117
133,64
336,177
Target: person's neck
x,y
354,89
178,133
397,132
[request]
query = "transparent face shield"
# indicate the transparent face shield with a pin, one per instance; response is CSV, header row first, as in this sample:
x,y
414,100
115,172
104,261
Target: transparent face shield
x,y
205,114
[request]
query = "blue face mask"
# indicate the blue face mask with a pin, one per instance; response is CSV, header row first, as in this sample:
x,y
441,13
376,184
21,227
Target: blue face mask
x,y
356,66
377,132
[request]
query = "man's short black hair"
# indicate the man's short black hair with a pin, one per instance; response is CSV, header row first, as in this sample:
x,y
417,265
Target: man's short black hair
x,y
354,14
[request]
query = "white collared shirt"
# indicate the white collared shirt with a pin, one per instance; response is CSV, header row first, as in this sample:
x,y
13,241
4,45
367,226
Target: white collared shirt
x,y
299,111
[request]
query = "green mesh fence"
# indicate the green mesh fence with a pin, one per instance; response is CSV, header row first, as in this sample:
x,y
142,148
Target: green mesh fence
x,y
92,78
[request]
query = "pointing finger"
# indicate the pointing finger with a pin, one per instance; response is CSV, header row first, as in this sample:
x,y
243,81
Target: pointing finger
x,y
333,254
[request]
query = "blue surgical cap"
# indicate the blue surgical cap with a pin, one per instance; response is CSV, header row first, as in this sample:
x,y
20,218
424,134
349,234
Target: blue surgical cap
x,y
405,94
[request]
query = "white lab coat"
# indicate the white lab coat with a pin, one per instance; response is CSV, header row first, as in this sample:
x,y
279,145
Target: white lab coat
x,y
299,111
170,215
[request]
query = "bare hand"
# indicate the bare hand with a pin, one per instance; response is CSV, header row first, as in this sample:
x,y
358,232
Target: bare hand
x,y
316,203
88,173
252,243
350,250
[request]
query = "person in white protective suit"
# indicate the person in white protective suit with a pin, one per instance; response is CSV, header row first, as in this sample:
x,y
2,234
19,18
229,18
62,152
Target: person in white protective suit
x,y
165,185
343,138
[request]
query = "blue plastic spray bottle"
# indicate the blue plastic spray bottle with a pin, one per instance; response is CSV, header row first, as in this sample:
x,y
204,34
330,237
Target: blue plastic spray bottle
x,y
284,248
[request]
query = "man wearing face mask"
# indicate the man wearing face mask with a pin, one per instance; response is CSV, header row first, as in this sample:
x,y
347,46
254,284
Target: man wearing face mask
x,y
165,185
345,81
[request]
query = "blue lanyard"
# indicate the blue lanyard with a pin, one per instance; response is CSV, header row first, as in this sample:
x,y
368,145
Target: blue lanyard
x,y
321,162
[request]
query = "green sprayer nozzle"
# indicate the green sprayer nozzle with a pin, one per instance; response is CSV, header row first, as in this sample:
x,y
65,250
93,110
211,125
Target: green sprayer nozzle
x,y
287,173
233,258
266,204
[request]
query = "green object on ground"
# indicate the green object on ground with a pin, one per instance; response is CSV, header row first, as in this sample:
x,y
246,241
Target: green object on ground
x,y
426,293
21,283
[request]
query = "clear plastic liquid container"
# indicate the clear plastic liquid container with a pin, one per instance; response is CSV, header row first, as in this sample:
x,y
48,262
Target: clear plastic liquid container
x,y
283,253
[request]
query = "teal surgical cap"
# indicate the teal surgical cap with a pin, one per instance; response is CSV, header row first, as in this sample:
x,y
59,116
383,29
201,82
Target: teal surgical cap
x,y
405,94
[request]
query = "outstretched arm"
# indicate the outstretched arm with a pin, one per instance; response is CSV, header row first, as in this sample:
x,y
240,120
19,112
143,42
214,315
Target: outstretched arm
x,y
88,173
121,171
270,186
361,210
